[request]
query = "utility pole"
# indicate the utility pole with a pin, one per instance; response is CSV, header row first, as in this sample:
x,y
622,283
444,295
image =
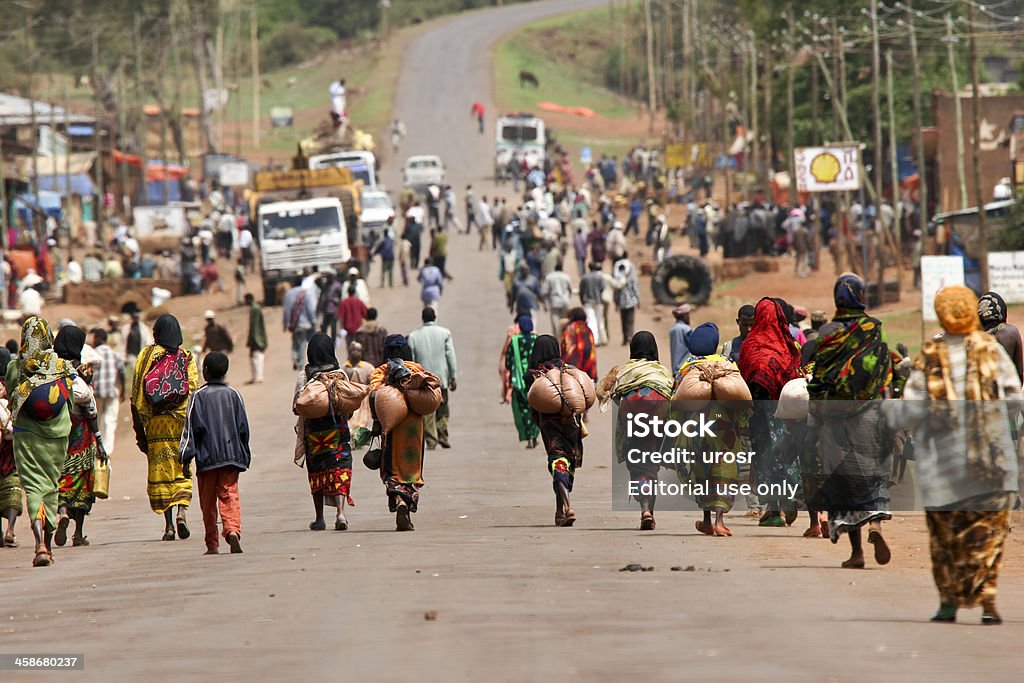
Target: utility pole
x,y
67,166
876,98
972,48
961,175
141,125
97,138
790,161
834,93
165,186
754,106
894,171
254,58
922,185
769,67
652,94
30,48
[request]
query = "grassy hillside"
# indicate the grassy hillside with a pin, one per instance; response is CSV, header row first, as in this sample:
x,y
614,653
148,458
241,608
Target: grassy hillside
x,y
568,55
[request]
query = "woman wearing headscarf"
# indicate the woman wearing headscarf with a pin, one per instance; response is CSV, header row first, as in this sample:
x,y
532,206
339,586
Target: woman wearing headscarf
x,y
731,434
962,397
853,368
401,463
992,311
562,434
503,372
39,389
166,370
326,442
84,443
578,347
769,358
641,384
517,362
11,492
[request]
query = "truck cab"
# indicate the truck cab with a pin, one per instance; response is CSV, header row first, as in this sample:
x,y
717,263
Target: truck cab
x,y
518,136
298,235
363,165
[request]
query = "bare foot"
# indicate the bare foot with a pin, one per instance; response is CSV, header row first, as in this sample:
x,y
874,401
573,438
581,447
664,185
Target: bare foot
x,y
212,551
721,530
813,532
704,528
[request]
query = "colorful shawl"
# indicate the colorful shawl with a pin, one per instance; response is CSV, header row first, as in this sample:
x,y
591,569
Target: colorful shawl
x,y
37,363
578,348
853,363
638,374
769,356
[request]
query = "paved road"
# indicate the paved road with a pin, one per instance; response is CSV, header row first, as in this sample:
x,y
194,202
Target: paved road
x,y
516,599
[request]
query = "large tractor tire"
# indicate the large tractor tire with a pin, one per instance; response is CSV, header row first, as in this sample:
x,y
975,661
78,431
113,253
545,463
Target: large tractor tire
x,y
681,280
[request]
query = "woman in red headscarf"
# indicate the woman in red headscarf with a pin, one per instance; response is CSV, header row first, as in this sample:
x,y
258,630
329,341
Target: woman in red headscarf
x,y
578,347
768,359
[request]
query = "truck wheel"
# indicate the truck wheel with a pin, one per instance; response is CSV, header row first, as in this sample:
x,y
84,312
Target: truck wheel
x,y
269,293
681,280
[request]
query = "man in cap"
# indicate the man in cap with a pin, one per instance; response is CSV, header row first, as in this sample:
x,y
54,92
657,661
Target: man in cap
x,y
677,336
217,338
362,291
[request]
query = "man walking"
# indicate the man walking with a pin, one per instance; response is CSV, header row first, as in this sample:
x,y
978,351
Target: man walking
x,y
677,336
371,335
299,318
256,340
217,337
108,386
556,292
591,291
433,348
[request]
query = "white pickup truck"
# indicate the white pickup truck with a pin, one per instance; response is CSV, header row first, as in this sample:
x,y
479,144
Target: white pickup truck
x,y
296,235
420,172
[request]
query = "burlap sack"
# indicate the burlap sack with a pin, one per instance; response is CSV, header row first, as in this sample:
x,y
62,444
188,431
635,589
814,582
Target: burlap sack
x,y
576,382
422,392
389,407
346,395
545,396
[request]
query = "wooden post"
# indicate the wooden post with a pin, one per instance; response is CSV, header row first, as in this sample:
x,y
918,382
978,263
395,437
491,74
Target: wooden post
x,y
894,169
979,194
754,107
961,175
790,162
254,58
922,190
652,92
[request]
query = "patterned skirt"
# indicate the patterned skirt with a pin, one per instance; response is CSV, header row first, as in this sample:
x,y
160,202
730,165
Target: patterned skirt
x,y
76,480
11,492
967,552
329,457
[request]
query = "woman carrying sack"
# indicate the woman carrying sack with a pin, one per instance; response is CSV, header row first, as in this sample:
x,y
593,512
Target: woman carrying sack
x,y
165,376
326,447
39,387
562,434
84,444
401,464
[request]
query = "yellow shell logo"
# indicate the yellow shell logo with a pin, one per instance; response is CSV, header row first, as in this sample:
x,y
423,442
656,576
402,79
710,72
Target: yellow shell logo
x,y
825,167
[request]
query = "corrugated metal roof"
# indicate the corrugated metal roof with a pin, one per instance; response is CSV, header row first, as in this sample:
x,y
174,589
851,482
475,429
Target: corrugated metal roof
x,y
17,111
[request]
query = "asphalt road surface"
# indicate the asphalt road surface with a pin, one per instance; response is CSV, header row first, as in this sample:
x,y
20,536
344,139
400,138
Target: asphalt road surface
x,y
515,598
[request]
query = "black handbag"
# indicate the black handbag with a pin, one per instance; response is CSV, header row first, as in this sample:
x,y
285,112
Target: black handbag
x,y
373,457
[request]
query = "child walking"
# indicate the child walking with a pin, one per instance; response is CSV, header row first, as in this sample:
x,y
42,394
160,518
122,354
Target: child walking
x,y
216,436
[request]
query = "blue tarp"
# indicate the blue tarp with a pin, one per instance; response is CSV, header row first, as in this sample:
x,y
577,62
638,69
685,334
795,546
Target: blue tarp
x,y
81,184
155,192
47,201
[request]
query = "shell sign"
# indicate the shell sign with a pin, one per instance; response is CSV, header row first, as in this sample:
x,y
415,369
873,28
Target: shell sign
x,y
827,169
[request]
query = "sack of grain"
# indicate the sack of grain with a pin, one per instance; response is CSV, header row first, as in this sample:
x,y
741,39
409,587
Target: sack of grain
x,y
346,395
578,392
575,380
422,392
545,396
389,407
794,401
312,401
728,384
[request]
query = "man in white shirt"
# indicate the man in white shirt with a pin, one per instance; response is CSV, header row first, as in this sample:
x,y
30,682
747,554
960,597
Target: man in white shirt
x,y
245,246
556,292
31,302
484,221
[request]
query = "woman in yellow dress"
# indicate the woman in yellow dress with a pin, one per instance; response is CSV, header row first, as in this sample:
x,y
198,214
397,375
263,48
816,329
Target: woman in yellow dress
x,y
165,377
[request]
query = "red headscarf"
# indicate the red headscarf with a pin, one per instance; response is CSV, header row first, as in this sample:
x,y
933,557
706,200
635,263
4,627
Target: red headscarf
x,y
769,356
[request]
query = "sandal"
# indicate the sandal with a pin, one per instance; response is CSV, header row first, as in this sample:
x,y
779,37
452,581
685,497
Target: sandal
x,y
559,519
772,520
570,518
61,536
235,542
340,523
813,532
403,522
317,525
183,531
647,521
79,540
882,552
11,542
853,564
43,557
168,535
